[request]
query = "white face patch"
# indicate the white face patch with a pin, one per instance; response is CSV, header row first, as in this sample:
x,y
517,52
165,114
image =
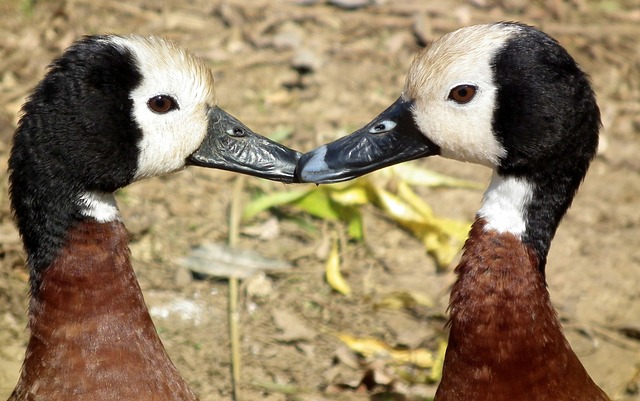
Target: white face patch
x,y
100,206
169,138
462,131
504,205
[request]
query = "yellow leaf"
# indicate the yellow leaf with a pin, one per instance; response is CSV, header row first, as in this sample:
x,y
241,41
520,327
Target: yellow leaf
x,y
436,371
371,347
413,174
332,271
420,357
366,347
354,195
404,300
396,208
406,194
443,238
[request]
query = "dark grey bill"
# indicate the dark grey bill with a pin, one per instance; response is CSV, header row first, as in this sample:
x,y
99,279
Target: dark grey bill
x,y
391,138
231,145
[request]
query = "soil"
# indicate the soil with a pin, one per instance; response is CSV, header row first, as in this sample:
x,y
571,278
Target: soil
x,y
307,72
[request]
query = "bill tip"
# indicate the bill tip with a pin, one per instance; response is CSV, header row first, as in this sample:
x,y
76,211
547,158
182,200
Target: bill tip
x,y
312,165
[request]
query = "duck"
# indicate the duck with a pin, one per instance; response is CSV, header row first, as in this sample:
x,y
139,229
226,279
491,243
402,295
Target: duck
x,y
509,97
110,111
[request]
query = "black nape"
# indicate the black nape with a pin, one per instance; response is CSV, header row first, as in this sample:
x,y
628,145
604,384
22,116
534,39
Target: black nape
x,y
548,121
76,135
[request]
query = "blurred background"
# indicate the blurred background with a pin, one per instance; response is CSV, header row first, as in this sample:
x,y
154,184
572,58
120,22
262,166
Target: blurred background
x,y
357,308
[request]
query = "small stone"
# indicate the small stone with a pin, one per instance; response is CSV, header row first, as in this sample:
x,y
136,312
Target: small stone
x,y
305,61
259,285
289,36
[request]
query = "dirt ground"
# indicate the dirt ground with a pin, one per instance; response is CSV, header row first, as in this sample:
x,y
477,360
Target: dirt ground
x,y
308,72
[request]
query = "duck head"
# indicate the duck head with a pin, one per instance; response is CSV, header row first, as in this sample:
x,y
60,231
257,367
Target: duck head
x,y
113,110
502,95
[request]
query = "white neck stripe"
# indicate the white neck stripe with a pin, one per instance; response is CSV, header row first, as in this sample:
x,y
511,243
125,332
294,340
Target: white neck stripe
x,y
100,206
505,203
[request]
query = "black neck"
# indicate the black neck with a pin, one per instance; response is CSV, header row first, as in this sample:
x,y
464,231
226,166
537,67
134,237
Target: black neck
x,y
555,184
76,136
49,171
547,120
45,208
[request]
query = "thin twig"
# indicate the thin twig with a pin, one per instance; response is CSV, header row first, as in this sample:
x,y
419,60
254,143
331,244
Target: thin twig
x,y
234,336
235,213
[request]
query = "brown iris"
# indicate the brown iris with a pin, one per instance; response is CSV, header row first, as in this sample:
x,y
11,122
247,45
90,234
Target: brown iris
x,y
162,104
462,94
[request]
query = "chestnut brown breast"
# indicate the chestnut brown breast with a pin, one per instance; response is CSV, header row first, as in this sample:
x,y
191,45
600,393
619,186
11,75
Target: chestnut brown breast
x,y
506,342
91,333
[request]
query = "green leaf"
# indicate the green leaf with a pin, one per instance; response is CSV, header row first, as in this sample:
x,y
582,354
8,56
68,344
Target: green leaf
x,y
318,203
268,201
355,224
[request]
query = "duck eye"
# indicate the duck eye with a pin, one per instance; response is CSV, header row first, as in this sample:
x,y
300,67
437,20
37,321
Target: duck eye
x,y
236,131
382,127
162,104
463,94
